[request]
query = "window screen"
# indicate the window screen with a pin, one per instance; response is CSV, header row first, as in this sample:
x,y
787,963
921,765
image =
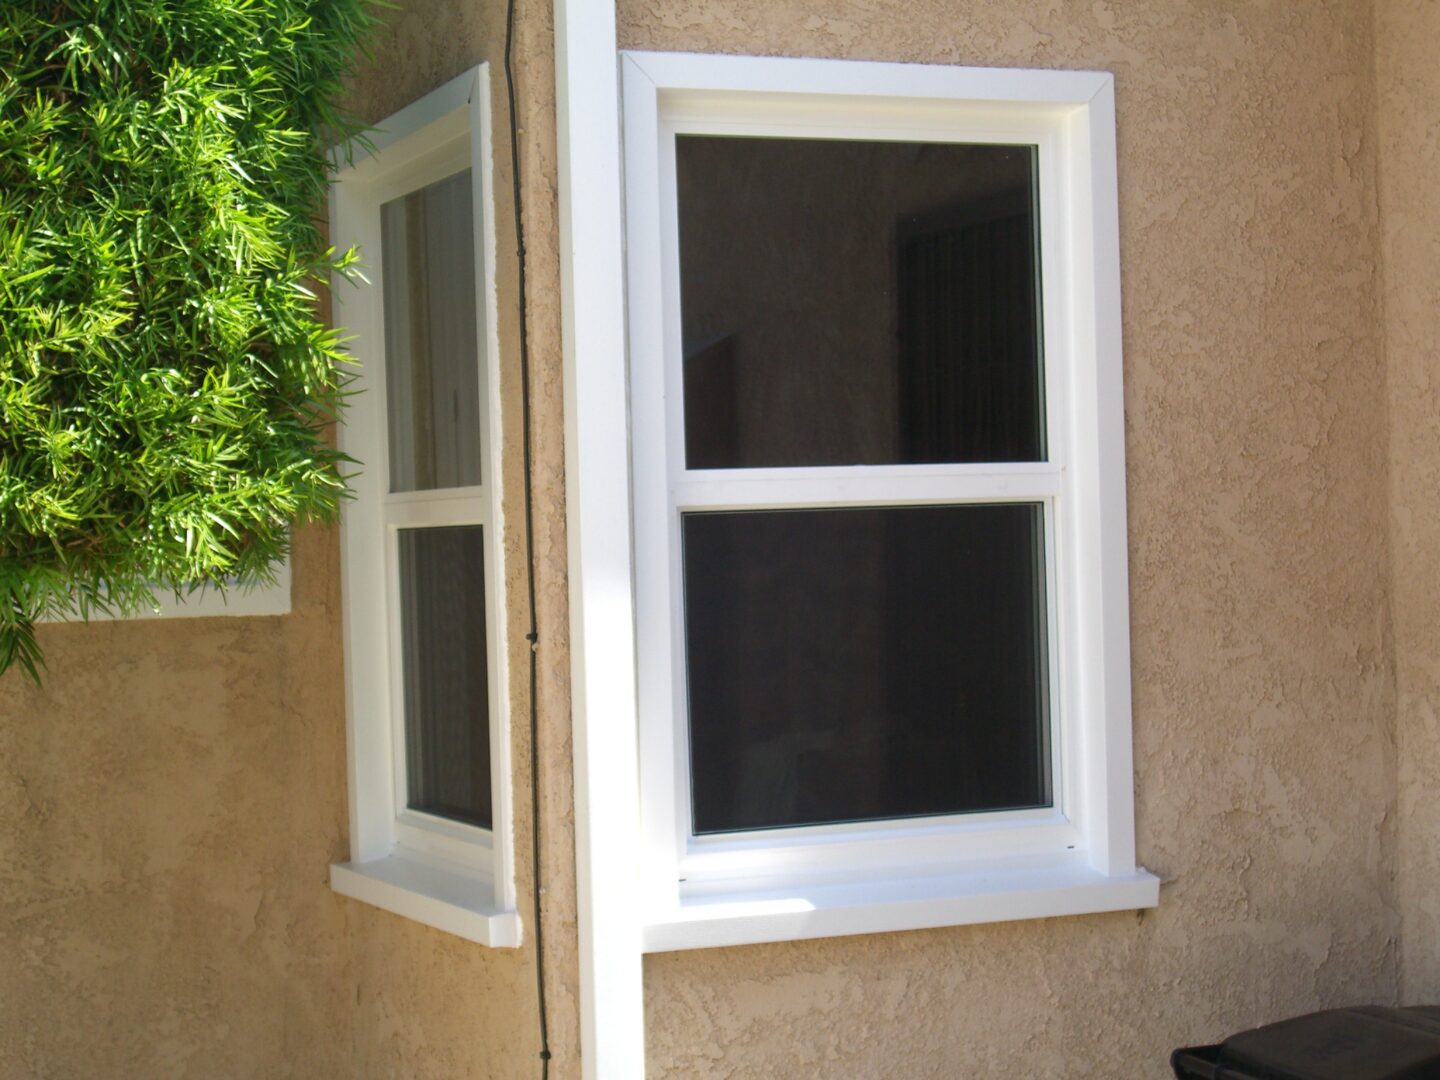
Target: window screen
x,y
858,303
859,664
432,370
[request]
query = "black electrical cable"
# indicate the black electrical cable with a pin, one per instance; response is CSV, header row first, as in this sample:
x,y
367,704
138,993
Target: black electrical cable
x,y
533,635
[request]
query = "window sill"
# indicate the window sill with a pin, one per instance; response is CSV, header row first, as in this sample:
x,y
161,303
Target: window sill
x,y
1032,888
444,898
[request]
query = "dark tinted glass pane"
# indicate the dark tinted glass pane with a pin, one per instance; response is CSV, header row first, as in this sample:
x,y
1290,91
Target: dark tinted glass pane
x,y
858,303
432,367
852,665
447,728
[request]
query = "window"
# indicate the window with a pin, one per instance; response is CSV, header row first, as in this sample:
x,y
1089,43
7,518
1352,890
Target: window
x,y
878,486
424,649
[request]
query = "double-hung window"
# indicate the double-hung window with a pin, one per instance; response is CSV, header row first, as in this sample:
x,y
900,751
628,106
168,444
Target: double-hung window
x,y
878,487
425,662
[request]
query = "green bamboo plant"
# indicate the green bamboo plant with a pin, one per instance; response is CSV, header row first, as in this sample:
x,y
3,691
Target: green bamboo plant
x,y
164,376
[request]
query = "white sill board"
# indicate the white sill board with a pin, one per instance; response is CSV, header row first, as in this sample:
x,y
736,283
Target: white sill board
x,y
449,901
996,893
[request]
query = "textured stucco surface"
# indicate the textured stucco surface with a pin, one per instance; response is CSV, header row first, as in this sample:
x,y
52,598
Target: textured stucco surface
x,y
1408,85
1264,735
171,800
170,803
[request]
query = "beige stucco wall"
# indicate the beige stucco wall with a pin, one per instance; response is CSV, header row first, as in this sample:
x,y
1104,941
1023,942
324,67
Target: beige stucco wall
x,y
1264,737
171,800
1408,83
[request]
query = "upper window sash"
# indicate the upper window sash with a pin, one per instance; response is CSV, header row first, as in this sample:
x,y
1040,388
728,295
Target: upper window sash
x,y
864,485
761,115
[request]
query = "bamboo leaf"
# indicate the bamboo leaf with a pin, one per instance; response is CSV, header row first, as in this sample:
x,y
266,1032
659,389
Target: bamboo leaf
x,y
164,377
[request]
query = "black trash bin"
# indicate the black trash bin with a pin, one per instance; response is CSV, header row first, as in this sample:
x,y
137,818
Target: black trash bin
x,y
1369,1043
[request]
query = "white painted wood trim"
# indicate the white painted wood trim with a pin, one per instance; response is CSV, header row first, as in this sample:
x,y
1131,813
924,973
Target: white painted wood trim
x,y
652,448
428,893
439,115
1113,851
864,78
597,480
502,772
998,892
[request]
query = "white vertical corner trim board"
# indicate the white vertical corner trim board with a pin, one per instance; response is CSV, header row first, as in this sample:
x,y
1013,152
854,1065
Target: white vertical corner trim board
x,y
1110,449
597,485
453,876
1074,857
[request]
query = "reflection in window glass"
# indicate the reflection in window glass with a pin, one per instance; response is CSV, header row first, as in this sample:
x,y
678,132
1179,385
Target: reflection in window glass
x,y
431,345
859,303
442,612
854,665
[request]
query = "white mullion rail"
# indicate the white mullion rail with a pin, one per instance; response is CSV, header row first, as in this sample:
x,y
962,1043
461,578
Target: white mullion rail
x,y
436,513
906,485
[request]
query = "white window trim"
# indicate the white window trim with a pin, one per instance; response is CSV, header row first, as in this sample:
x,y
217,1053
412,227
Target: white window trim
x,y
597,532
453,876
830,880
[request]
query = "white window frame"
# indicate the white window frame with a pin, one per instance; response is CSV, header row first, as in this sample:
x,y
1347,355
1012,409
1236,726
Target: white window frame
x,y
451,875
1076,857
